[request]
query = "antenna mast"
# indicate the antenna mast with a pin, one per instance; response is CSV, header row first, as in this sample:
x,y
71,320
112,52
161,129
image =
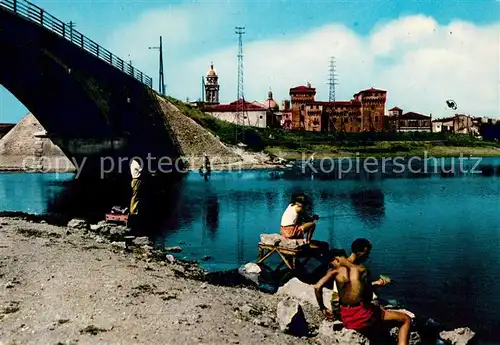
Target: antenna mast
x,y
332,80
240,99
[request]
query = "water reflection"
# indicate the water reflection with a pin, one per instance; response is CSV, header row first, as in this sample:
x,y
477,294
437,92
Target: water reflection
x,y
369,169
88,199
212,214
30,192
368,204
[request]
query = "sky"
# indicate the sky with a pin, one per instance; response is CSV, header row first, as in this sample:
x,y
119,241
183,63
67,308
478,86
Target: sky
x,y
422,52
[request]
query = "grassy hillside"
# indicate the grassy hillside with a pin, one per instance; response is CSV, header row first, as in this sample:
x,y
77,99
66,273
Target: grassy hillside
x,y
293,144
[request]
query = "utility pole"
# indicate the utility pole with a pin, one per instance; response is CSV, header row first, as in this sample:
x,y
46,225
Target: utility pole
x,y
332,80
240,99
161,80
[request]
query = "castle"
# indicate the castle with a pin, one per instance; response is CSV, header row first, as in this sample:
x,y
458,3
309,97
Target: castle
x,y
363,113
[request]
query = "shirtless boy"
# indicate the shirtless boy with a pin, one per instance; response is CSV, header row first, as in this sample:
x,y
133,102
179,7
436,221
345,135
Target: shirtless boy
x,y
356,294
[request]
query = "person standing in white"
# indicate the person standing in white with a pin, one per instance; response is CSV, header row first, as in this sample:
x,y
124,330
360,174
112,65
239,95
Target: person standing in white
x,y
291,227
135,172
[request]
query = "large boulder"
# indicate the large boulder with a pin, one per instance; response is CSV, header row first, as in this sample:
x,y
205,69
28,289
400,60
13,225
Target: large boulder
x,y
459,336
290,317
304,292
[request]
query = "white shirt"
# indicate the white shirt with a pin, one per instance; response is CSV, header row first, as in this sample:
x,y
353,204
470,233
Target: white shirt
x,y
135,168
290,216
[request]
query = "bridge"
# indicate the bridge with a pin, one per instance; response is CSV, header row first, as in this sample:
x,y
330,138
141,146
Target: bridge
x,y
92,103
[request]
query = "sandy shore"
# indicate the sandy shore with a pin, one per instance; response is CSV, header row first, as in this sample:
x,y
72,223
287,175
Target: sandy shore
x,y
60,285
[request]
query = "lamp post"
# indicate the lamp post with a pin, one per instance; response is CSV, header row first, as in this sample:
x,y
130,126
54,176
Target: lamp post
x,y
161,80
71,25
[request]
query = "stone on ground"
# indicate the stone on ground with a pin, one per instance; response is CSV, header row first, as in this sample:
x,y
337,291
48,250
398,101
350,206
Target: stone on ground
x,y
290,317
77,224
415,338
141,241
250,271
459,336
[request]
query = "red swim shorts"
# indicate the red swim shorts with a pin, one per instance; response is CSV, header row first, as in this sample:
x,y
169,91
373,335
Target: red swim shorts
x,y
360,316
292,231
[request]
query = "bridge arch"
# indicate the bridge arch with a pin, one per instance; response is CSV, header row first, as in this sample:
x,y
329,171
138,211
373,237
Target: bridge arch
x,y
89,107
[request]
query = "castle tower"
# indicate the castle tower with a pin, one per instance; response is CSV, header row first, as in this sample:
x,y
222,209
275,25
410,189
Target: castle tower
x,y
212,87
300,96
372,109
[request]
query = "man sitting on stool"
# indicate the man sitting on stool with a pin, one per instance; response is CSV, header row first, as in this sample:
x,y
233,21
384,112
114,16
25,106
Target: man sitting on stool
x,y
291,225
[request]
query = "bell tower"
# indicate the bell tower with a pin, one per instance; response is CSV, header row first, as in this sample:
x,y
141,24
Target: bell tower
x,y
212,87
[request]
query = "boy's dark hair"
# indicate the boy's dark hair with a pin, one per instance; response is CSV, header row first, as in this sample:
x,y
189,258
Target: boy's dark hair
x,y
360,244
299,199
334,252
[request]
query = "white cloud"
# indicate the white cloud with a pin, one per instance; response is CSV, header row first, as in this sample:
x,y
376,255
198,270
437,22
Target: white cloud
x,y
418,61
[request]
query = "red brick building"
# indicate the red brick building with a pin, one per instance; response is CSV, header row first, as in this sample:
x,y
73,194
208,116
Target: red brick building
x,y
365,112
300,96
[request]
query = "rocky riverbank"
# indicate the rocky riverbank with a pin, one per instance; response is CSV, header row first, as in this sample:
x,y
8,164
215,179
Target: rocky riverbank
x,y
97,284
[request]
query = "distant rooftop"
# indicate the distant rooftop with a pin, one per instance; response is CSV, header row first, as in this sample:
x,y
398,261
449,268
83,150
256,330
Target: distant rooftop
x,y
303,89
414,116
232,107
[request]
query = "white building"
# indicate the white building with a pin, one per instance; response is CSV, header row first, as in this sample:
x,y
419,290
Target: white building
x,y
458,124
252,114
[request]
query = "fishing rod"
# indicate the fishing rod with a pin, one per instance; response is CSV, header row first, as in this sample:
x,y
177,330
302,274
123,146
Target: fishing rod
x,y
336,216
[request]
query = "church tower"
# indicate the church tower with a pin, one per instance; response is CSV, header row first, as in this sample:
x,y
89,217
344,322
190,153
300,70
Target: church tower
x,y
212,87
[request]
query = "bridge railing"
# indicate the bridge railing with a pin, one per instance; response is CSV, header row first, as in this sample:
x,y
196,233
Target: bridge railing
x,y
38,15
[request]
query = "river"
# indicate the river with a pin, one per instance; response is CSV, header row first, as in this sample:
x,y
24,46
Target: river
x,y
437,236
